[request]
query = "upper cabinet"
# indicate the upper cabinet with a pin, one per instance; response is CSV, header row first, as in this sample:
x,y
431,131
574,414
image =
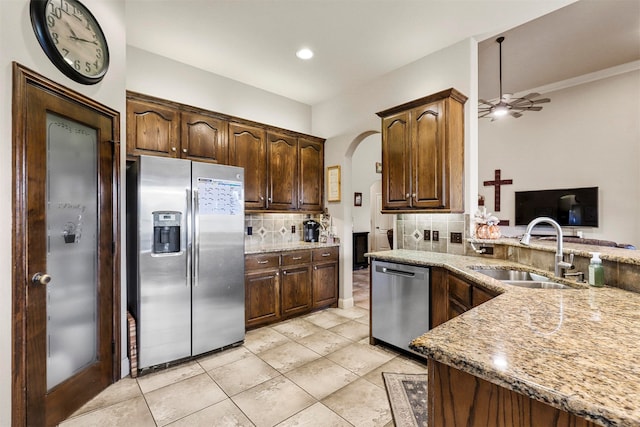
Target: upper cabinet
x,y
284,170
423,154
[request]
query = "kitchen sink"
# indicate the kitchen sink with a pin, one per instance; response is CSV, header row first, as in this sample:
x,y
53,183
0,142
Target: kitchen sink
x,y
522,279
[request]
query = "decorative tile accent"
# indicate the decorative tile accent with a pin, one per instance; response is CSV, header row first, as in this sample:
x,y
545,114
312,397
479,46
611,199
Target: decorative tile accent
x,y
417,235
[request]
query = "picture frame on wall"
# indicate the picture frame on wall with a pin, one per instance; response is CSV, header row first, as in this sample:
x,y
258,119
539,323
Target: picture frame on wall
x,y
333,183
378,167
357,199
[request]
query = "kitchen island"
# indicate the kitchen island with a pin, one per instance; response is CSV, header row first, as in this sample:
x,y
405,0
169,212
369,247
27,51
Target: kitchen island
x,y
576,350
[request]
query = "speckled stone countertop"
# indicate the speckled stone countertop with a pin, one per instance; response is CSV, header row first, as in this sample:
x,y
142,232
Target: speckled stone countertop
x,y
575,349
290,246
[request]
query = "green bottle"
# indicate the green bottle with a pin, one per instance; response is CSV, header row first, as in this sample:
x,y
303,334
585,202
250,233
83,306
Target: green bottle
x,y
596,270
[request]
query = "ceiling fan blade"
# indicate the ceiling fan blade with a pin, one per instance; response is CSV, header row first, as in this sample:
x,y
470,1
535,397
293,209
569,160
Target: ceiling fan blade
x,y
531,95
527,108
515,114
488,103
541,101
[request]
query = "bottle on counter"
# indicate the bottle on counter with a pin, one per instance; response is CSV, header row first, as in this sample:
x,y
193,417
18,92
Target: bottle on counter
x,y
596,270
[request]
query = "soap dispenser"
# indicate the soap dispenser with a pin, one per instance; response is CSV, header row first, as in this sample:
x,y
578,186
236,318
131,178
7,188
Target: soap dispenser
x,y
596,270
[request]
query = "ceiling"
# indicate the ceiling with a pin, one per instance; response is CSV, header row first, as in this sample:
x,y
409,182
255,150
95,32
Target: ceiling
x,y
357,41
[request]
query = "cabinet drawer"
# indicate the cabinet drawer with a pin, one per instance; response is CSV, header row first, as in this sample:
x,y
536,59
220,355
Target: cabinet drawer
x,y
460,290
295,258
325,254
260,261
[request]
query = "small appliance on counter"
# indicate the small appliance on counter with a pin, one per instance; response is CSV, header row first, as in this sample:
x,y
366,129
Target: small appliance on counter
x,y
311,229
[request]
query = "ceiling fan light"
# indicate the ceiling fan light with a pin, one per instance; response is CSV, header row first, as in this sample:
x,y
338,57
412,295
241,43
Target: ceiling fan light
x,y
500,110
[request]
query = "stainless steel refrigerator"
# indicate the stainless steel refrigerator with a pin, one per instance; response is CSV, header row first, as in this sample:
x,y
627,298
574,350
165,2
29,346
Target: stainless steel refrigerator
x,y
185,231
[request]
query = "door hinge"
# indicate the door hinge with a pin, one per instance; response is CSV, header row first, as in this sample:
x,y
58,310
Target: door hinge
x,y
113,347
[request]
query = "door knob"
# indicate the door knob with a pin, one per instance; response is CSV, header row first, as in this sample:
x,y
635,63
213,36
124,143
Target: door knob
x,y
40,279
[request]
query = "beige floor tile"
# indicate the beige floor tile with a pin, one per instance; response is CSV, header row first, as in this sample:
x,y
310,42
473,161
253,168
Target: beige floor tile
x,y
363,304
125,389
359,358
353,330
273,401
223,358
351,313
361,403
321,377
242,374
168,376
326,319
288,356
222,414
296,328
324,342
396,365
183,398
316,415
129,413
263,339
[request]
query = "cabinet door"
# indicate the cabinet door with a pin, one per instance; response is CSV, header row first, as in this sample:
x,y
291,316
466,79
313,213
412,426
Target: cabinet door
x,y
248,149
439,297
204,138
325,284
310,175
396,152
480,296
296,290
152,129
427,150
282,158
262,298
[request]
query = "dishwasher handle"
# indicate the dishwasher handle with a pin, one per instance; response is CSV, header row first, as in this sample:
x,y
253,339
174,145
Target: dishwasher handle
x,y
395,272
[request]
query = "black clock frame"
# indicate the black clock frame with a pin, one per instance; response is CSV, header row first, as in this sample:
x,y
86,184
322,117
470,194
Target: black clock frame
x,y
38,10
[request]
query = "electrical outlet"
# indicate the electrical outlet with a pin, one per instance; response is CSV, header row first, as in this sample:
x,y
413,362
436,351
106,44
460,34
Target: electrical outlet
x,y
427,235
456,238
293,229
435,235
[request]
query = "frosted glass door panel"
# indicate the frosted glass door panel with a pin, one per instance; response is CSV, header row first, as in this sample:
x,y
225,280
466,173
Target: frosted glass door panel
x,y
72,257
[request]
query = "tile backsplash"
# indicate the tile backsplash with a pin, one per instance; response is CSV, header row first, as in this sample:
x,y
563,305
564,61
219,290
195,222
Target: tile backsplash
x,y
274,228
411,231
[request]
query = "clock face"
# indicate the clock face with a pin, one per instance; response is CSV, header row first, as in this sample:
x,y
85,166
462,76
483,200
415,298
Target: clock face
x,y
72,38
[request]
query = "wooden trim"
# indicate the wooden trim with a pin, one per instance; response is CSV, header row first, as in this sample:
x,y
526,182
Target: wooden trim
x,y
22,79
448,93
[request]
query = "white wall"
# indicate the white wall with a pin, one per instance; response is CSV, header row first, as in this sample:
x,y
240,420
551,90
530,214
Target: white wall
x,y
18,43
363,173
165,78
588,135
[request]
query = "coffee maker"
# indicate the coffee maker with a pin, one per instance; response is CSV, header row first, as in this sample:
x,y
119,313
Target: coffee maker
x,y
311,230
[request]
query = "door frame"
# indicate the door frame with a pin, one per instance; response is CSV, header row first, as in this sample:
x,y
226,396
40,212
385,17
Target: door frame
x,y
22,79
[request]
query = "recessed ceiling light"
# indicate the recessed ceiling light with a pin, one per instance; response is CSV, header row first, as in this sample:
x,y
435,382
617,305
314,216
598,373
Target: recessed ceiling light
x,y
304,53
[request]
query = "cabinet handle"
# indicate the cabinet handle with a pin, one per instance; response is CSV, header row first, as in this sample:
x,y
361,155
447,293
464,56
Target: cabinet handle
x,y
173,149
284,273
296,258
315,268
407,196
184,150
269,199
414,196
264,262
261,198
326,254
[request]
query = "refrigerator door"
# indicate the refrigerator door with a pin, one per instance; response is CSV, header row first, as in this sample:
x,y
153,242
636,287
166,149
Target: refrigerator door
x,y
218,256
164,316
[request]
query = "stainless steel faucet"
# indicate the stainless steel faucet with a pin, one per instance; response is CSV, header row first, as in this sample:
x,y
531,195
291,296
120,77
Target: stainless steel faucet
x,y
559,261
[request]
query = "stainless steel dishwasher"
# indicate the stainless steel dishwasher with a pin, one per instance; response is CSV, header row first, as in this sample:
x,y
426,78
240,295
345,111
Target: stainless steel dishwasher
x,y
399,303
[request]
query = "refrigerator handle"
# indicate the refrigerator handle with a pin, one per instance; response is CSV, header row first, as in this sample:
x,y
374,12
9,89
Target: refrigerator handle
x,y
188,235
196,237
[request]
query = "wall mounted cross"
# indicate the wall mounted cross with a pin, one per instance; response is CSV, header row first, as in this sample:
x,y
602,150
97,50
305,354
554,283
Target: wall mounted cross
x,y
497,182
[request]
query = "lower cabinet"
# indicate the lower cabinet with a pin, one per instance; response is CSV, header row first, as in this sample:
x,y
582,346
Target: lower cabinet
x,y
287,284
452,296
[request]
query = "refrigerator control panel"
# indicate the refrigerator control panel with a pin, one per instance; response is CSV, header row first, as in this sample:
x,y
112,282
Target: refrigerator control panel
x,y
166,232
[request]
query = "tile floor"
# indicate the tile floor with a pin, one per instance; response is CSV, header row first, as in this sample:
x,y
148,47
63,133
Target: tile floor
x,y
315,370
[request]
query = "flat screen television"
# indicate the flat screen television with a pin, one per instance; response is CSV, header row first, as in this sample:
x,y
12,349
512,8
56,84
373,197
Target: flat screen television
x,y
572,207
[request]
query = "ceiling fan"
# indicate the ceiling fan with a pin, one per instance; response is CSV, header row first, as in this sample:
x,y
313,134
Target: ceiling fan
x,y
507,103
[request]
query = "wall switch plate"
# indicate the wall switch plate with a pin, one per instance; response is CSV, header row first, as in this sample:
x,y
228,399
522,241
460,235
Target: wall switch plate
x,y
435,235
456,238
293,229
427,235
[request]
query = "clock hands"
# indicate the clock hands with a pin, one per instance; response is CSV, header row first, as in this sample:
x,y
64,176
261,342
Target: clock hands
x,y
73,36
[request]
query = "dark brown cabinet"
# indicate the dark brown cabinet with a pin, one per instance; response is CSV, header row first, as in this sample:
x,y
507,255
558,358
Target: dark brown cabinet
x,y
152,129
204,138
282,158
310,175
423,154
248,149
286,284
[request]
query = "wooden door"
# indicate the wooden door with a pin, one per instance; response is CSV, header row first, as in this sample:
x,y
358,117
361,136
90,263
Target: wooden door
x,y
204,138
310,175
325,284
296,290
248,149
396,155
282,152
152,129
65,301
262,297
427,152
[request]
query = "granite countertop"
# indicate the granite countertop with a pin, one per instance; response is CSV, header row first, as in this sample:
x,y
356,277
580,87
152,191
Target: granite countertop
x,y
289,246
575,349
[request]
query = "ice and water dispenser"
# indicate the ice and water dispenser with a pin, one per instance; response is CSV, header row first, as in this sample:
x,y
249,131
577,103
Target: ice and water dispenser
x,y
166,232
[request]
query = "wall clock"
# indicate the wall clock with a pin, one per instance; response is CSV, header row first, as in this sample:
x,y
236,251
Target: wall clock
x,y
72,39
